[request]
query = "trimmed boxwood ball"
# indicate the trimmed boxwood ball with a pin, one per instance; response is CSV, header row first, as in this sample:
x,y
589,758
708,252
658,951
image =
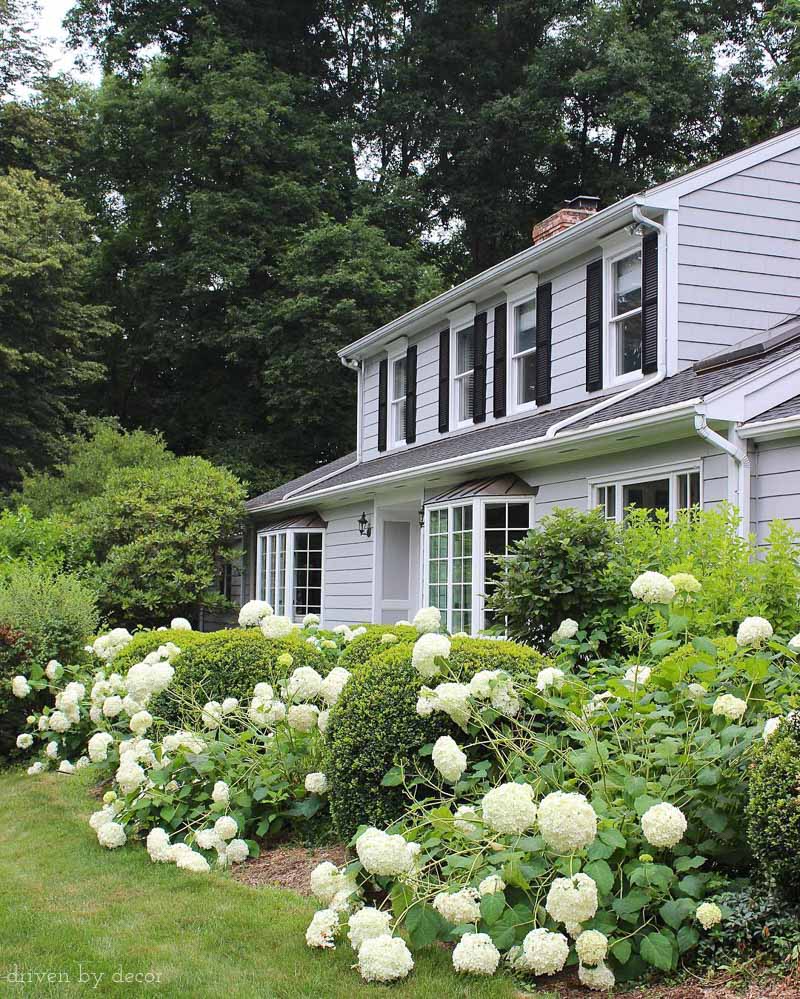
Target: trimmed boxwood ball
x,y
144,642
363,648
773,812
375,722
230,664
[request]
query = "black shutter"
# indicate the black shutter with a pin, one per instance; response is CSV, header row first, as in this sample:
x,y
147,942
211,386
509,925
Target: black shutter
x,y
650,303
544,342
594,326
383,409
499,362
411,394
479,368
444,381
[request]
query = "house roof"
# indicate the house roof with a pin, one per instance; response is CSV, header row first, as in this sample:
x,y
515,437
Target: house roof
x,y
789,408
687,386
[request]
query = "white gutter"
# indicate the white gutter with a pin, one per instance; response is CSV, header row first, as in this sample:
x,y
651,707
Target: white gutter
x,y
630,420
767,428
661,372
740,456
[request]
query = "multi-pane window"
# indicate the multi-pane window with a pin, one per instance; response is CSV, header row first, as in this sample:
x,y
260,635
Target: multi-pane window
x,y
464,376
290,572
524,353
439,559
503,525
626,314
670,492
461,589
398,402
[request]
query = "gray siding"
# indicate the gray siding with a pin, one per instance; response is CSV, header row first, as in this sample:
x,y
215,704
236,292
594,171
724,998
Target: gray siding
x,y
776,489
348,566
738,257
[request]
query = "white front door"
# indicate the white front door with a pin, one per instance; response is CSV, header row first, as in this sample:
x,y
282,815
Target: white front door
x,y
398,568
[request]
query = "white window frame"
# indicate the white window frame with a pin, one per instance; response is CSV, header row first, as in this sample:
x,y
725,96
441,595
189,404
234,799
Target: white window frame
x,y
461,320
650,474
478,505
616,248
262,551
519,293
398,352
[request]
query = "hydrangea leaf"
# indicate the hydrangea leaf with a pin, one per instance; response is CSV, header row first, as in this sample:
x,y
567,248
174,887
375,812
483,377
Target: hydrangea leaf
x,y
602,874
676,911
492,907
657,950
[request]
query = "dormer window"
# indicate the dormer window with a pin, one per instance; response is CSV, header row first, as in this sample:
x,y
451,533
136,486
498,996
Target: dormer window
x,y
523,359
464,376
399,388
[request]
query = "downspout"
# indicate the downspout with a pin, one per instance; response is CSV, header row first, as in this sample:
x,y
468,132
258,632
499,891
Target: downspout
x,y
740,456
358,366
661,372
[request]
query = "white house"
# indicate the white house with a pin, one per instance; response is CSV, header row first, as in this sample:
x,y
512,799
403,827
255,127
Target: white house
x,y
647,354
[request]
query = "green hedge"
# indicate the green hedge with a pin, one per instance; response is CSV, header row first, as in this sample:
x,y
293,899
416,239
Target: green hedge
x,y
144,642
375,722
773,812
230,664
363,648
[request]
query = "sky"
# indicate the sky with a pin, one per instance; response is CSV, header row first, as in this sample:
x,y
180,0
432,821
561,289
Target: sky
x,y
54,38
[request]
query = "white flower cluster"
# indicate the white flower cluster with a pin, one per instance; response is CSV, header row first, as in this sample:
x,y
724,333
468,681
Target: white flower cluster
x,y
386,855
316,783
276,626
462,906
476,954
491,885
685,582
107,646
427,648
550,676
509,809
708,914
322,930
653,588
496,687
543,952
566,630
591,947
450,698
637,675
366,924
427,620
572,900
265,710
384,959
348,634
328,882
663,825
567,821
449,759
253,613
600,978
20,686
753,631
730,707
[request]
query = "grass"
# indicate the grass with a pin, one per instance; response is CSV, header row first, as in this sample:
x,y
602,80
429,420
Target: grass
x,y
69,906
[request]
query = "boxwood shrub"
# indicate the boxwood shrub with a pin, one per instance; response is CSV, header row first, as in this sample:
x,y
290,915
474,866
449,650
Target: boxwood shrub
x,y
144,642
375,722
773,811
230,664
363,648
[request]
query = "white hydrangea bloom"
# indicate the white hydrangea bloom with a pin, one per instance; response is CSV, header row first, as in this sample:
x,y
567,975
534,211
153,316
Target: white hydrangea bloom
x,y
59,722
304,683
53,669
449,759
729,707
253,613
229,704
95,714
427,620
322,929
112,706
497,687
82,762
385,855
389,638
591,947
567,821
263,690
794,643
311,621
141,722
326,881
427,648
384,959
572,900
708,914
467,821
509,809
158,845
316,783
543,952
599,979
491,885
476,954
550,676
653,588
453,700
663,825
43,724
20,686
225,827
111,835
302,717
685,582
753,631
24,740
130,776
366,924
107,646
65,767
190,860
426,702
105,814
771,726
51,750
638,675
334,683
276,626
211,714
697,691
35,768
265,712
180,624
221,793
148,678
323,719
237,851
207,839
566,630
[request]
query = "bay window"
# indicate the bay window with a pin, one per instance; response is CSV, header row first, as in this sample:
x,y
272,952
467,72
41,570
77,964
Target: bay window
x,y
669,491
289,571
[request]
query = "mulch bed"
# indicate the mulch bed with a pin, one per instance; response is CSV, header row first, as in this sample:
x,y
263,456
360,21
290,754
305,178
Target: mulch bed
x,y
288,866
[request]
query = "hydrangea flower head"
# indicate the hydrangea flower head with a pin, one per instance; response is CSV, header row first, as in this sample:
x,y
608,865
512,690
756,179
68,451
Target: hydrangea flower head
x,y
572,900
567,821
427,648
276,626
753,631
543,952
253,613
384,959
708,914
509,809
476,954
663,825
462,906
566,630
653,588
428,620
730,707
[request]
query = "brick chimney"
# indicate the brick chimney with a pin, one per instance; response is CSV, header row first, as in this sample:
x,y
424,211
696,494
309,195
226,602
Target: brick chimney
x,y
574,211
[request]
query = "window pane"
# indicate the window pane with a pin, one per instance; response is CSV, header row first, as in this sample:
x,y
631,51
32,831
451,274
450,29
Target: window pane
x,y
399,386
495,515
647,495
525,327
628,283
519,515
465,389
526,378
399,420
629,344
465,355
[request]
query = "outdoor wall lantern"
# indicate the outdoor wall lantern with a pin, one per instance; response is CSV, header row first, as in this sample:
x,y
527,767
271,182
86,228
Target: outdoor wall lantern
x,y
422,516
364,526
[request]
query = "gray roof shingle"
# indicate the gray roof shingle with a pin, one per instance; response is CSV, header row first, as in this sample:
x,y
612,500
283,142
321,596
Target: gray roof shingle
x,y
789,408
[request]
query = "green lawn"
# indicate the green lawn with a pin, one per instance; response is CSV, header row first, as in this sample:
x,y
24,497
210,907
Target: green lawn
x,y
67,905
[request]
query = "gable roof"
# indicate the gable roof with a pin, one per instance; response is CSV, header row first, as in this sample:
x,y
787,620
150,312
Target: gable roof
x,y
688,387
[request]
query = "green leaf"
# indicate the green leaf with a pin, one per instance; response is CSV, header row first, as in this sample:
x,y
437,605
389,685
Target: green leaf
x,y
402,899
675,912
708,776
643,802
657,950
687,938
613,837
705,645
503,932
688,863
632,903
600,872
693,885
492,907
621,949
393,777
512,875
678,624
662,646
424,924
716,821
